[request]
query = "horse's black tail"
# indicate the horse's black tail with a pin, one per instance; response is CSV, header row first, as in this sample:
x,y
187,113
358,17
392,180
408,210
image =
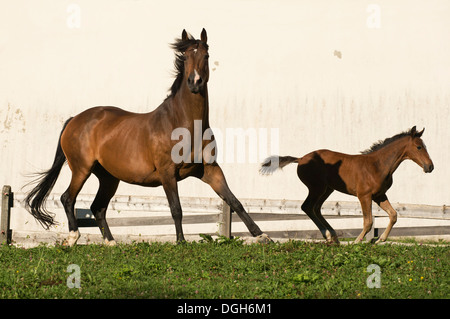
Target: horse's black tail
x,y
36,198
272,163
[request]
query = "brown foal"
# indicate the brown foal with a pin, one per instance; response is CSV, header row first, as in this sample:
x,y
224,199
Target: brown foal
x,y
367,176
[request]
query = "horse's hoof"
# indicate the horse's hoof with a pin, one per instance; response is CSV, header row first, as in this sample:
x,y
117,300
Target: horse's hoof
x,y
110,243
333,242
377,240
263,239
72,239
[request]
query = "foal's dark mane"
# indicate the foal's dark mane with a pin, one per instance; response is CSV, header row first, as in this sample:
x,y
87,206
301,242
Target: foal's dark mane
x,y
180,46
382,143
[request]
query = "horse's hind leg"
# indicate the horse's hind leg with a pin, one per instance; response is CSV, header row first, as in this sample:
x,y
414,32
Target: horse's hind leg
x,y
68,199
214,177
310,205
312,174
330,233
107,189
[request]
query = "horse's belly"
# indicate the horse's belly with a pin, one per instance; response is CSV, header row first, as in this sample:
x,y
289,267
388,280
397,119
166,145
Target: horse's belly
x,y
132,172
147,175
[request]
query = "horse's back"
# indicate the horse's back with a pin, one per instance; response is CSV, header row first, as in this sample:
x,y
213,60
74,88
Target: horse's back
x,y
102,120
99,113
110,136
325,156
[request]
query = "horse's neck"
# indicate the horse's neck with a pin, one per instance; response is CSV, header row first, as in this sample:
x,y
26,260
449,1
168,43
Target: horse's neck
x,y
191,106
390,157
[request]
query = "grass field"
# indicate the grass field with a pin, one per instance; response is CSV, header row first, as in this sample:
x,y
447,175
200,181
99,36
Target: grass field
x,y
223,268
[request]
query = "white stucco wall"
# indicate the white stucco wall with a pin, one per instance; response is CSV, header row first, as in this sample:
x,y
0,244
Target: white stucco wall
x,y
326,74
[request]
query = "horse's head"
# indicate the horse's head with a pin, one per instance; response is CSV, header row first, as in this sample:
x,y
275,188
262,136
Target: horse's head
x,y
417,151
196,69
191,63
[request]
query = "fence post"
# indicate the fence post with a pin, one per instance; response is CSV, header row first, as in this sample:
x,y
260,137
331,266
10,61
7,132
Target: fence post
x,y
225,221
7,203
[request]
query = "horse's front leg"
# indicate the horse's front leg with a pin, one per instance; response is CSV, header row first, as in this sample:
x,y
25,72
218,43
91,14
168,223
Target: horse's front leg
x,y
213,176
171,190
366,205
384,203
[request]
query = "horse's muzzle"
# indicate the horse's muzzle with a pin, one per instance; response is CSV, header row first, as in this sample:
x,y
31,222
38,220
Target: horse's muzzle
x,y
428,168
195,83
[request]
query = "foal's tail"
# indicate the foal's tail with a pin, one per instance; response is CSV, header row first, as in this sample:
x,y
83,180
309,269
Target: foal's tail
x,y
272,163
36,198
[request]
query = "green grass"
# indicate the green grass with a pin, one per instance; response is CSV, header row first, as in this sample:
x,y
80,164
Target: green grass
x,y
225,268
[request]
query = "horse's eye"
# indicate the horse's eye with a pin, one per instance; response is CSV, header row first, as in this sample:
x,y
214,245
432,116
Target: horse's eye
x,y
419,147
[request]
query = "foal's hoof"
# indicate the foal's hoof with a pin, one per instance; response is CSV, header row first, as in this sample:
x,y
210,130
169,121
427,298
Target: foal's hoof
x,y
110,243
333,242
376,240
263,239
72,239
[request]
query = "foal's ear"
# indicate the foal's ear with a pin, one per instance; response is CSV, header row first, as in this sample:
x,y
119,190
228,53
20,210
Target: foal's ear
x,y
203,36
419,134
184,35
413,131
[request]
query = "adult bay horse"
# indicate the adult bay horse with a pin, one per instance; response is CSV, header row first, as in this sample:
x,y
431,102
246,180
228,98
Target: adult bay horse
x,y
367,176
116,145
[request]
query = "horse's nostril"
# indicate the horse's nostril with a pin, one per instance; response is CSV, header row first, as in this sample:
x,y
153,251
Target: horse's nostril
x,y
429,168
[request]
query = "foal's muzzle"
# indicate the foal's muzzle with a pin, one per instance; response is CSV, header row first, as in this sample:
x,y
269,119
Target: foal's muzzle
x,y
428,168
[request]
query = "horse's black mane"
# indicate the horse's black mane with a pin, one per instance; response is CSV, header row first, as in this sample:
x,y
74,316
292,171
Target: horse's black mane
x,y
180,46
382,143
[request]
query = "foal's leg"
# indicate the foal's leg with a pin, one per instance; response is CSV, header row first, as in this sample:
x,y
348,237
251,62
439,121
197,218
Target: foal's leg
x,y
107,189
366,205
309,207
171,189
214,177
330,233
312,175
384,203
68,199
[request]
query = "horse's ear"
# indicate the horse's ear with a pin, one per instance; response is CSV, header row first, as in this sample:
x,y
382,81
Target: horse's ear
x,y
413,131
184,35
419,134
203,36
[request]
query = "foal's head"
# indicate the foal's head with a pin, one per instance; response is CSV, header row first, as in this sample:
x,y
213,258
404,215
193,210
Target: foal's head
x,y
191,62
417,151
